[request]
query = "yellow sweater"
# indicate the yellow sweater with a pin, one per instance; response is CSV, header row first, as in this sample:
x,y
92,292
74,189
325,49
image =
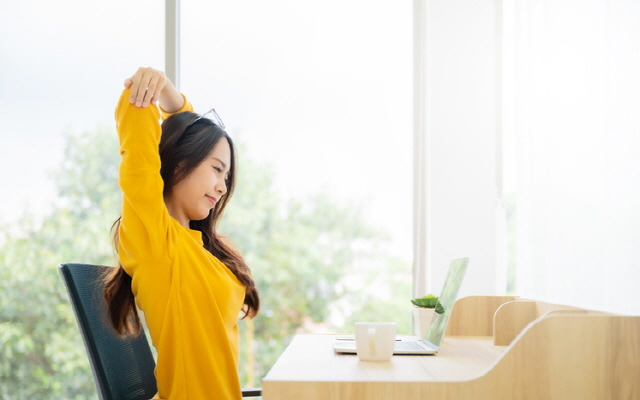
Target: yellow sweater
x,y
191,300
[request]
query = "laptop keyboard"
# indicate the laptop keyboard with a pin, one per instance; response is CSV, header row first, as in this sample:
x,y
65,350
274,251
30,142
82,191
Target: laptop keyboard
x,y
409,346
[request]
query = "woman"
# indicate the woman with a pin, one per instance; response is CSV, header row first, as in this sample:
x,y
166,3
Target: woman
x,y
191,285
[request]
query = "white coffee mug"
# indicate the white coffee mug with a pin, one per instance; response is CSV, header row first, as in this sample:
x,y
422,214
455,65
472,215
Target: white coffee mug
x,y
375,340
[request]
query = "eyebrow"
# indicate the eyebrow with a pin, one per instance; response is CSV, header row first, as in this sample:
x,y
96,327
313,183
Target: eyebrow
x,y
220,161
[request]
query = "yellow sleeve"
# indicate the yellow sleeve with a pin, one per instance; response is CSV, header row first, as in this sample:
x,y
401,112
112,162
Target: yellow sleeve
x,y
144,234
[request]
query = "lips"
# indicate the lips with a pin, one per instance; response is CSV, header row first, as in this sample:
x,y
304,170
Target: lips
x,y
213,200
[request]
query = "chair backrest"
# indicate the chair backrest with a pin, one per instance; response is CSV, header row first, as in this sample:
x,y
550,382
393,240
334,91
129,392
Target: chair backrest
x,y
122,367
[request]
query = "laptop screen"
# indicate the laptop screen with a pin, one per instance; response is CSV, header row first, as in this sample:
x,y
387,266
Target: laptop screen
x,y
448,296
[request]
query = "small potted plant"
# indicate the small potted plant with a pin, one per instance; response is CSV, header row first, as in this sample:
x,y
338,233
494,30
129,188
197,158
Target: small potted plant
x,y
425,311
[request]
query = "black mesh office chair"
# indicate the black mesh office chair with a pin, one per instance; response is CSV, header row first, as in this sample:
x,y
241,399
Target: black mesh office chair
x,y
122,368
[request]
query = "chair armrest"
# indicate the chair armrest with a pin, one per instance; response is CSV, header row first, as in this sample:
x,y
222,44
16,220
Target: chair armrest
x,y
255,392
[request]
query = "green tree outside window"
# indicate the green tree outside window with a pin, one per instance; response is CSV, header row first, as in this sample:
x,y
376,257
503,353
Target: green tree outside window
x,y
318,265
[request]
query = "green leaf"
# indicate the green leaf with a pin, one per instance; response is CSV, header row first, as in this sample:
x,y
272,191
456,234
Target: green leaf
x,y
428,301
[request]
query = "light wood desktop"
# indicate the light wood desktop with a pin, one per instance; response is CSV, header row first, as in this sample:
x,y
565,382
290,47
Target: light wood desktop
x,y
494,348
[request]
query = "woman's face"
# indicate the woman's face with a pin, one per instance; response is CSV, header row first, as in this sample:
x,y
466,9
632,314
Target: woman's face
x,y
192,198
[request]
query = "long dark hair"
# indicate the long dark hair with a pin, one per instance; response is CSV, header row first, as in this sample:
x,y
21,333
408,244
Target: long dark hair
x,y
186,141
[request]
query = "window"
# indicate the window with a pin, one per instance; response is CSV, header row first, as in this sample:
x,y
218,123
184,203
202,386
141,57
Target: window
x,y
319,99
62,68
63,79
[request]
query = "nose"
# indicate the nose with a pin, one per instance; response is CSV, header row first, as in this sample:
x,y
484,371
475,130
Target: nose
x,y
221,187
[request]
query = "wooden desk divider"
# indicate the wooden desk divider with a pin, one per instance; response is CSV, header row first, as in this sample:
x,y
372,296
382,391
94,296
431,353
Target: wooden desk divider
x,y
554,351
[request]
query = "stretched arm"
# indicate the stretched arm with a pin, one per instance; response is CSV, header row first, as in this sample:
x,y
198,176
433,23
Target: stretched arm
x,y
149,85
145,223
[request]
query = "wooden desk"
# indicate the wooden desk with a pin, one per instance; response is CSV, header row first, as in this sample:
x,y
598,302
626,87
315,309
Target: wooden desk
x,y
558,352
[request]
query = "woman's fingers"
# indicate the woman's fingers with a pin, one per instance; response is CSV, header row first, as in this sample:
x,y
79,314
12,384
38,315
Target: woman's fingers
x,y
155,87
146,85
140,85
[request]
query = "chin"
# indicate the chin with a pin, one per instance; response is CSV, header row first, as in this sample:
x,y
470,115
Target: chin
x,y
205,214
199,215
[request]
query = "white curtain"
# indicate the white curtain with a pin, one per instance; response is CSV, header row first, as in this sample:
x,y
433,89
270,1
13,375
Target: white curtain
x,y
572,113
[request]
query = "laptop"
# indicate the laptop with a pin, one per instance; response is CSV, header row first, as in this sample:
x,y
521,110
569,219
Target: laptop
x,y
431,343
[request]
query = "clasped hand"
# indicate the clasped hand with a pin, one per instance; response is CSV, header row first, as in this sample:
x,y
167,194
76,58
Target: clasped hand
x,y
146,85
150,86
